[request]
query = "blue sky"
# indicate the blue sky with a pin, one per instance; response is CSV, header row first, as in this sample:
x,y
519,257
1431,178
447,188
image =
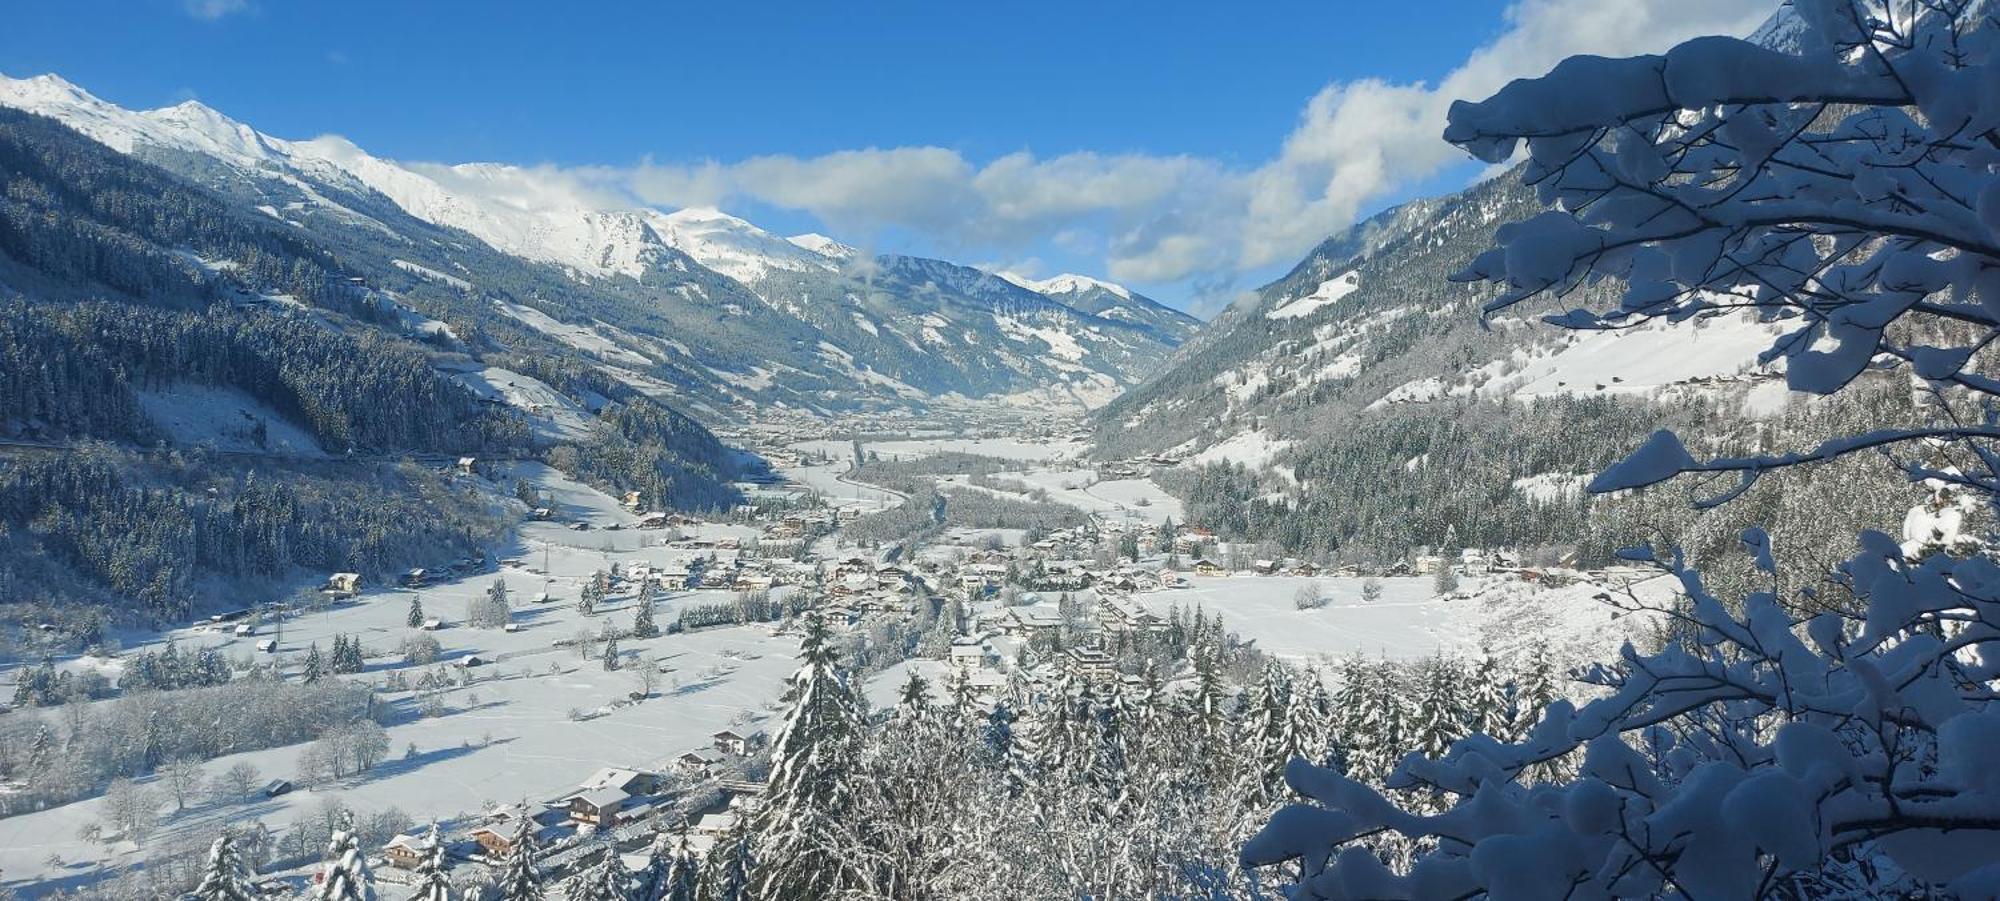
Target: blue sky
x,y
1160,114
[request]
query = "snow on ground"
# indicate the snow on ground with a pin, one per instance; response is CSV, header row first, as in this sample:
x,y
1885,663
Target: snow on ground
x,y
223,418
432,274
1551,487
1253,449
1409,621
1130,501
1328,291
910,449
829,480
510,735
584,338
1640,359
551,414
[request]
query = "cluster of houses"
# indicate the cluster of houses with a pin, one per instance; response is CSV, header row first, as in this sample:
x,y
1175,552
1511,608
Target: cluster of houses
x,y
614,801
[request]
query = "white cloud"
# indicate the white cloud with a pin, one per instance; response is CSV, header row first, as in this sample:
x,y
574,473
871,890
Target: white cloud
x,y
1151,219
211,10
1156,219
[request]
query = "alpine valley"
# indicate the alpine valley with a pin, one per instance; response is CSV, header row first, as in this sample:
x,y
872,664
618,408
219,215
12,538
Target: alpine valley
x,y
1617,522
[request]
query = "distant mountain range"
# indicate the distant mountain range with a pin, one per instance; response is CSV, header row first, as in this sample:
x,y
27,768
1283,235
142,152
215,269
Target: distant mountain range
x,y
697,306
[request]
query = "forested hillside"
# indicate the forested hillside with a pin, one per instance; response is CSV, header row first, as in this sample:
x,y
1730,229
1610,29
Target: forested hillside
x,y
1360,409
129,296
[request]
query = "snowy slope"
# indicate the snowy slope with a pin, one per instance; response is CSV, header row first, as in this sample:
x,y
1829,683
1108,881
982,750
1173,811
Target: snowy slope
x,y
906,330
734,247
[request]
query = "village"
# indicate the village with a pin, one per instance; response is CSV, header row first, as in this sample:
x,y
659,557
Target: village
x,y
625,693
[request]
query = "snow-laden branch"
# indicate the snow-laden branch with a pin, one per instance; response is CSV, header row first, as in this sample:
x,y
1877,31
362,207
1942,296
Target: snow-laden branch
x,y
1847,183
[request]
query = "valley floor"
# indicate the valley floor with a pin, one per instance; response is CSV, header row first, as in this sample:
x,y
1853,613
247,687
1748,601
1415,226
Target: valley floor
x,y
538,717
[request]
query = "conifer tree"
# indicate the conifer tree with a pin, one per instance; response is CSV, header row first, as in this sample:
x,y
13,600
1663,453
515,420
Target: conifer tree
x,y
606,881
346,878
225,878
914,698
433,883
520,880
416,617
315,668
611,653
1488,710
812,763
642,620
684,878
732,874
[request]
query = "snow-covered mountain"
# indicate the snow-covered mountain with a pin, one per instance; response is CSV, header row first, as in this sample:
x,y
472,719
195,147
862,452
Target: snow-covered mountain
x,y
1369,323
695,301
1112,301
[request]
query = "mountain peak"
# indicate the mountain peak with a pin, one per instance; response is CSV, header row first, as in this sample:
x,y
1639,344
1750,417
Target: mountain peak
x,y
825,246
733,246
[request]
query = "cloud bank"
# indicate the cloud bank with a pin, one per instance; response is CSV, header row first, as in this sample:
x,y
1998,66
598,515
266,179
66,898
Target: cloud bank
x,y
1178,219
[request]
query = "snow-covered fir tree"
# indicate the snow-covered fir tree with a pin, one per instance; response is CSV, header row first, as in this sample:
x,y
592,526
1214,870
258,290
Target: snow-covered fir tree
x,y
606,880
346,876
520,874
433,882
813,760
642,617
225,877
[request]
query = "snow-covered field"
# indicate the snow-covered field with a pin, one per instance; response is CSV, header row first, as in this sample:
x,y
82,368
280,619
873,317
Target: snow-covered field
x,y
223,418
1003,448
508,736
1409,620
1113,500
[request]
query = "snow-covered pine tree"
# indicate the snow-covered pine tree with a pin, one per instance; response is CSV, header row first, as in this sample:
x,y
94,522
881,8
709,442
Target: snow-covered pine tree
x,y
610,654
225,878
520,875
1311,725
642,620
1107,771
812,761
346,877
684,877
605,880
1267,742
433,881
315,667
732,873
1488,710
1438,717
913,699
415,618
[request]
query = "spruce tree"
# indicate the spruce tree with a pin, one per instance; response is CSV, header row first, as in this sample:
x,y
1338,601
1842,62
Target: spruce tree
x,y
433,883
520,880
812,763
346,877
642,620
732,874
416,617
611,653
914,698
1488,709
315,668
225,878
607,881
685,875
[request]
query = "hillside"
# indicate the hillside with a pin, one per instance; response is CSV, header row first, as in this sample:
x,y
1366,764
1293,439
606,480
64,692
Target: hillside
x,y
696,307
197,400
1366,358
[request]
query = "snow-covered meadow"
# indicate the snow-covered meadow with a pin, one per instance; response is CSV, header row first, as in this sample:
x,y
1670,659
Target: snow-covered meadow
x,y
507,736
1410,620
